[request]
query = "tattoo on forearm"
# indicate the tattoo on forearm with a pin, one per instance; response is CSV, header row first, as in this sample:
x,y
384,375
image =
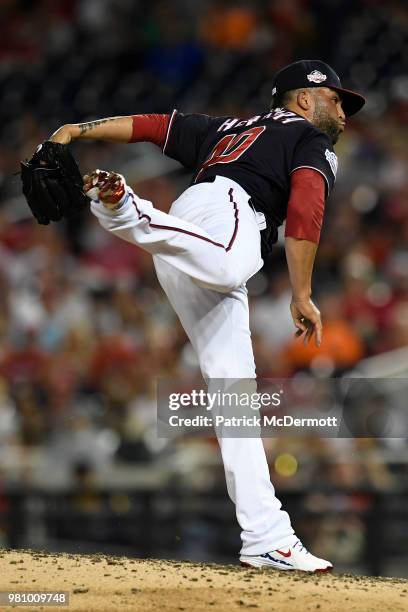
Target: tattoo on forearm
x,y
85,127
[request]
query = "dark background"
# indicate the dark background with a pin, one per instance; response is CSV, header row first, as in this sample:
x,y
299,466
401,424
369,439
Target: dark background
x,y
85,329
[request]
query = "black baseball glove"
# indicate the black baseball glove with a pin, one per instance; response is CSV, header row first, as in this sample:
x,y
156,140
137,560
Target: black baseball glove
x,y
52,183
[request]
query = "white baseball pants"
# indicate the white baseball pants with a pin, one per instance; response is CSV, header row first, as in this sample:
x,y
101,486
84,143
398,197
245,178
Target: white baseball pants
x,y
204,251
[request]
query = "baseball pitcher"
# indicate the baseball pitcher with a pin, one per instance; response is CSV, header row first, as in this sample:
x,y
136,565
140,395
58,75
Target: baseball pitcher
x,y
249,175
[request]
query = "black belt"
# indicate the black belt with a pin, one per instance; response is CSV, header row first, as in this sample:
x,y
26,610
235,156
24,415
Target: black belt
x,y
209,179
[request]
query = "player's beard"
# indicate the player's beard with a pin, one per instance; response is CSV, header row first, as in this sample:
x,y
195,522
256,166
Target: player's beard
x,y
325,122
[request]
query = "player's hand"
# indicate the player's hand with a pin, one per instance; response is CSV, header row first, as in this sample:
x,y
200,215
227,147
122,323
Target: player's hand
x,y
63,135
108,187
307,320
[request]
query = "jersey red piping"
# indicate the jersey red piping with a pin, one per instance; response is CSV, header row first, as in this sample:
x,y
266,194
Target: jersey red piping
x,y
173,114
183,231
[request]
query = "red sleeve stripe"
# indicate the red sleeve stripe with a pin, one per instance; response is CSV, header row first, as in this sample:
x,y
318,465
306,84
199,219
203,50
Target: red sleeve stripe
x,y
306,205
173,114
150,128
317,170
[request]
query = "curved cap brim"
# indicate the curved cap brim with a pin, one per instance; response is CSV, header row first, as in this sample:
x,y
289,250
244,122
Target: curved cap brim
x,y
352,102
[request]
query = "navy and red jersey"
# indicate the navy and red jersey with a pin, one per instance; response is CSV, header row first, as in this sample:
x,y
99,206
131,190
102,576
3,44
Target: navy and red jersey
x,y
259,153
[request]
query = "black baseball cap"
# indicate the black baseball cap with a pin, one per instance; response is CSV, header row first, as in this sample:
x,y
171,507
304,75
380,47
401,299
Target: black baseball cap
x,y
314,73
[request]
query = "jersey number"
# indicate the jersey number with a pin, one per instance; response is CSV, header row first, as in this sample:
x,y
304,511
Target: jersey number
x,y
231,147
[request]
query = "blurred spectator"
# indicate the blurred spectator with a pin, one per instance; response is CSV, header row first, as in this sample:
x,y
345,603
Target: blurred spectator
x,y
229,25
341,347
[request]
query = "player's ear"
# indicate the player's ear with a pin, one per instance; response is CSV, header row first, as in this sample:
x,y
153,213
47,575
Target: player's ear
x,y
304,99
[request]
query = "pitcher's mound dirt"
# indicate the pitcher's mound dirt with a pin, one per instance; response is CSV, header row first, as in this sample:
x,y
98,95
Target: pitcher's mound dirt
x,y
101,583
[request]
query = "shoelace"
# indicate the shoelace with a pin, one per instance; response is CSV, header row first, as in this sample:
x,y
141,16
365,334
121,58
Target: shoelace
x,y
301,546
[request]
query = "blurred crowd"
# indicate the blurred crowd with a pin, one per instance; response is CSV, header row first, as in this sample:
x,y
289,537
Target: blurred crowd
x,y
84,327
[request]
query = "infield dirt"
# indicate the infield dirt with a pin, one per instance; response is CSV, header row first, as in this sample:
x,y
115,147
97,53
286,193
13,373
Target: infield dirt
x,y
99,583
